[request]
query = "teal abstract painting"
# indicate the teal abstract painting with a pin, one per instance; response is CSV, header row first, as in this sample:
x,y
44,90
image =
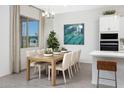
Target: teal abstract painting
x,y
74,34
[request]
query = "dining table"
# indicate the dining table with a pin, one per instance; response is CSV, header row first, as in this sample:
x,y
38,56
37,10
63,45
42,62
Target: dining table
x,y
52,60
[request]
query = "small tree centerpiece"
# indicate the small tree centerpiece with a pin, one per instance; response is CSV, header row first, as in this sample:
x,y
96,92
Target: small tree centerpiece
x,y
53,41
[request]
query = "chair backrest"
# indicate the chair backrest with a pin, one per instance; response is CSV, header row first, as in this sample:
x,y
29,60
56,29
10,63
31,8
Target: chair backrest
x,y
78,55
66,60
40,51
107,65
30,53
73,58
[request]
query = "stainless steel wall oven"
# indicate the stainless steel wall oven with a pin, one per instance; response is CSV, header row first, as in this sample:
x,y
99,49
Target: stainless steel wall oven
x,y
109,42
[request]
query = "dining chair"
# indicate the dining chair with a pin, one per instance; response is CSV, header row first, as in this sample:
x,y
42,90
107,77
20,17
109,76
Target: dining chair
x,y
77,64
40,51
30,53
72,64
63,66
40,65
37,65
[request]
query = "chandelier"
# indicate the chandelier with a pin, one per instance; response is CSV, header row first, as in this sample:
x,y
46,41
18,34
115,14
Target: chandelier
x,y
47,14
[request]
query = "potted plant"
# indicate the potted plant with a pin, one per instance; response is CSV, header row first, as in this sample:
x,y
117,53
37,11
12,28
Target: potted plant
x,y
53,41
48,52
109,12
56,51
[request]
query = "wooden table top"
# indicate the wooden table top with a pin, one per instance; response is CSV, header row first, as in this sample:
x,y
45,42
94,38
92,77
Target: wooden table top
x,y
38,58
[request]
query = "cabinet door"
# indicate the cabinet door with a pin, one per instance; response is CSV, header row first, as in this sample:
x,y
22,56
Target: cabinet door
x,y
121,31
109,23
114,23
104,24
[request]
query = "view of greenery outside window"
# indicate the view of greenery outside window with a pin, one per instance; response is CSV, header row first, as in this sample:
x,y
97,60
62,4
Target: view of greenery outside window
x,y
29,32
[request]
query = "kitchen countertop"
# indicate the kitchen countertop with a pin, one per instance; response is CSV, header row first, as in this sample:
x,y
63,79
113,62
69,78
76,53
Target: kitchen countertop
x,y
118,54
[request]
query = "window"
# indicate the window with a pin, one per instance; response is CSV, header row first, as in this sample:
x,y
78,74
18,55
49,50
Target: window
x,y
29,32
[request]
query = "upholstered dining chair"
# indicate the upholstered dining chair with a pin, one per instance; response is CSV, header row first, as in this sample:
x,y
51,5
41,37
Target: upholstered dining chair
x,y
63,66
77,64
37,65
40,51
30,53
72,64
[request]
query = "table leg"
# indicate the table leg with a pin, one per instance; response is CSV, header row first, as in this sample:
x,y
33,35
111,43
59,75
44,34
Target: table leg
x,y
53,78
28,70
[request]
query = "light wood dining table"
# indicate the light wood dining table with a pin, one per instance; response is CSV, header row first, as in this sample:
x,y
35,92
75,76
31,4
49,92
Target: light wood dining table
x,y
41,58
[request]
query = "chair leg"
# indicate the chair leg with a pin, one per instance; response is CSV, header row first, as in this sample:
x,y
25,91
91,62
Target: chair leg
x,y
48,73
35,69
115,80
64,76
75,68
78,64
98,80
57,72
69,73
46,67
39,67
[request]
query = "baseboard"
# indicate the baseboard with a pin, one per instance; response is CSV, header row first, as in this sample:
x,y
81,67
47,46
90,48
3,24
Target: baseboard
x,y
8,73
85,61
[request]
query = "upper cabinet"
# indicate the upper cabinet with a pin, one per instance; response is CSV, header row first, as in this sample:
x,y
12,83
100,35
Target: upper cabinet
x,y
109,23
121,31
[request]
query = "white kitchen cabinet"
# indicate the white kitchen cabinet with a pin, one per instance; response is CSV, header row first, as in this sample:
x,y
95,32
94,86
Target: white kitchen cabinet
x,y
109,23
121,31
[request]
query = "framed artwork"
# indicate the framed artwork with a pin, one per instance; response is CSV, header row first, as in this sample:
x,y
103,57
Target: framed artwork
x,y
74,34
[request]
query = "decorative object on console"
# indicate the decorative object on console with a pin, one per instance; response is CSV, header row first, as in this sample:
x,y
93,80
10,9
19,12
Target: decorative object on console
x,y
109,12
74,34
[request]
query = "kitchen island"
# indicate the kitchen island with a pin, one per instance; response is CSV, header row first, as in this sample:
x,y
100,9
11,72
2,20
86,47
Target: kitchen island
x,y
109,56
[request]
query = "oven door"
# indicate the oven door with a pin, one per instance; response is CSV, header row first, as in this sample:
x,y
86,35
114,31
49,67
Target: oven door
x,y
109,48
109,45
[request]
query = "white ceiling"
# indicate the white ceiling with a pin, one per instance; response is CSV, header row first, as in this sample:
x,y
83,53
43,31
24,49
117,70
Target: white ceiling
x,y
67,8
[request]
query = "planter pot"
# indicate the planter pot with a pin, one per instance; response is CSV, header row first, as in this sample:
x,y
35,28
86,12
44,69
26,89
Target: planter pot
x,y
63,51
47,55
57,53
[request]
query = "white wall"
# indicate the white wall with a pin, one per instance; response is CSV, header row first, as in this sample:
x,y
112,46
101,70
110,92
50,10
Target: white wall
x,y
90,18
4,41
48,27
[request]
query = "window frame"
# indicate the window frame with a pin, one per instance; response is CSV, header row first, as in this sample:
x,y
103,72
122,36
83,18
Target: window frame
x,y
27,31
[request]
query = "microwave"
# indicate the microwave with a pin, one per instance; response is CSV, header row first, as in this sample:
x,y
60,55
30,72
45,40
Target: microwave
x,y
109,36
